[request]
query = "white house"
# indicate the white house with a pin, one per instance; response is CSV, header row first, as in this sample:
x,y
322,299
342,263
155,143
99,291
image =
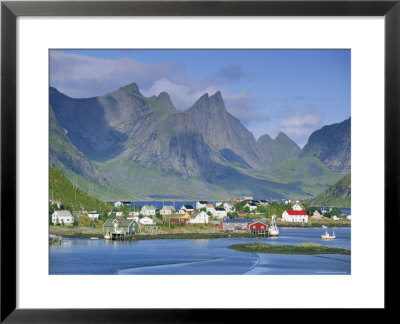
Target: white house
x,y
228,207
201,204
199,217
62,216
252,206
219,212
297,207
134,213
146,221
148,210
187,208
118,204
297,216
335,218
167,210
218,204
348,217
93,215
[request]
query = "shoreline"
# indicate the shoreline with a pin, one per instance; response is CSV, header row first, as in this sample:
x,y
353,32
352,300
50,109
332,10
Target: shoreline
x,y
211,233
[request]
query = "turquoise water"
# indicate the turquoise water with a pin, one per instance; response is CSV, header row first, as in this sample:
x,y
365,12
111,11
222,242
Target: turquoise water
x,y
204,256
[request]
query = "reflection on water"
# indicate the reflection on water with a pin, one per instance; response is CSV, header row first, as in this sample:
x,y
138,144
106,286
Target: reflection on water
x,y
80,256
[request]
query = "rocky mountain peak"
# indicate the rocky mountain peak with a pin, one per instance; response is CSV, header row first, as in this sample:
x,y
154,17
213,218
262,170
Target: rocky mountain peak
x,y
164,96
216,101
132,88
281,135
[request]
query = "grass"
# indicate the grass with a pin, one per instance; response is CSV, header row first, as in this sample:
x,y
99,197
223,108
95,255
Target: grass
x,y
307,172
303,248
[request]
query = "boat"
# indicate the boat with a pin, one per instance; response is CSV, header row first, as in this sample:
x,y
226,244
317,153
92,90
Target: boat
x,y
273,230
323,226
94,238
328,236
107,236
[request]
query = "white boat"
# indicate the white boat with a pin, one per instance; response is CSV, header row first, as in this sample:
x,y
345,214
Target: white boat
x,y
273,230
328,236
107,236
94,238
323,226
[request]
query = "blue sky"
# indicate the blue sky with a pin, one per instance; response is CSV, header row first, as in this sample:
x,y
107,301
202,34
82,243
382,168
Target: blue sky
x,y
294,91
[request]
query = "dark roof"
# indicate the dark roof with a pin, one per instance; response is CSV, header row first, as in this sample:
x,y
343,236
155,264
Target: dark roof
x,y
188,206
220,209
203,202
122,222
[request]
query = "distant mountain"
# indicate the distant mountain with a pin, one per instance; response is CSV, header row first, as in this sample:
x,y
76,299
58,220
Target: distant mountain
x,y
278,150
142,147
338,195
225,132
175,147
332,145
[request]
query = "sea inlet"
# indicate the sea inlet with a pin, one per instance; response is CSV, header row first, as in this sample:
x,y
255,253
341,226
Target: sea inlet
x,y
199,256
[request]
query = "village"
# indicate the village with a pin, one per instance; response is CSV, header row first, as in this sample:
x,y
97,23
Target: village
x,y
259,218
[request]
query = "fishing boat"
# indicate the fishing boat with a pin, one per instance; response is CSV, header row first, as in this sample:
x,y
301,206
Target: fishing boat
x,y
107,236
273,230
328,236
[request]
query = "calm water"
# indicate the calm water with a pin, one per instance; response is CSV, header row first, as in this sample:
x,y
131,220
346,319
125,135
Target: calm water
x,y
82,256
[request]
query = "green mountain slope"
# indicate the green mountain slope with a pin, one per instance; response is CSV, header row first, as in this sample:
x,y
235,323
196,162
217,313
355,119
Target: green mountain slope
x,y
338,195
62,189
219,183
308,173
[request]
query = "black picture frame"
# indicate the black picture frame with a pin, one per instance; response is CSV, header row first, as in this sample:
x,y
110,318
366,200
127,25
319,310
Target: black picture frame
x,y
10,10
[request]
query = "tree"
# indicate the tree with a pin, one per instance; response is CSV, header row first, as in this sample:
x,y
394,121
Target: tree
x,y
262,209
247,209
310,210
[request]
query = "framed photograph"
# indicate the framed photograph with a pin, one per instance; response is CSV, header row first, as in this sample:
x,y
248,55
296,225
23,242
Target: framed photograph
x,y
188,153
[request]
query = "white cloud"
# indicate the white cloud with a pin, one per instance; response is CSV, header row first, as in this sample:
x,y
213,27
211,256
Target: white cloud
x,y
301,124
84,76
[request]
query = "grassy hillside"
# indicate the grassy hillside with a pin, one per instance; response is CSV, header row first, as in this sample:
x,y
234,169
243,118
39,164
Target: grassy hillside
x,y
338,195
73,198
307,173
145,183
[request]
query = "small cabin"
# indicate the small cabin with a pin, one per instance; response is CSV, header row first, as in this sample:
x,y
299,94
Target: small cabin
x,y
121,226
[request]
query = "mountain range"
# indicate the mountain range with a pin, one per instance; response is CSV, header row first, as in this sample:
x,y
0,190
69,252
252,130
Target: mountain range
x,y
124,143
